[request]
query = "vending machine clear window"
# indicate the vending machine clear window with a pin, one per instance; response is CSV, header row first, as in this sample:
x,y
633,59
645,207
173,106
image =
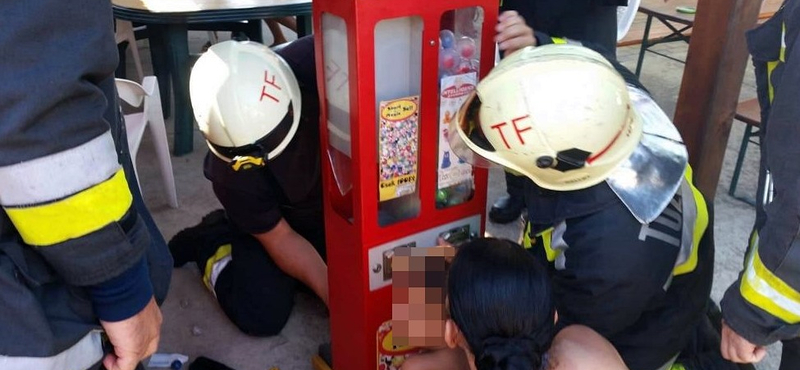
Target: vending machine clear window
x,y
459,62
337,98
398,68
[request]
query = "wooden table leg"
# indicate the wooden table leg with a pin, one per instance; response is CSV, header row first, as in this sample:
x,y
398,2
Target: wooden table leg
x,y
304,26
645,45
160,57
177,41
254,30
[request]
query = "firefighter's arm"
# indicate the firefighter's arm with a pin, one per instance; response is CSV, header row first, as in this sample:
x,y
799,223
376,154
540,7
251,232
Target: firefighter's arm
x,y
763,305
297,257
513,33
255,210
60,181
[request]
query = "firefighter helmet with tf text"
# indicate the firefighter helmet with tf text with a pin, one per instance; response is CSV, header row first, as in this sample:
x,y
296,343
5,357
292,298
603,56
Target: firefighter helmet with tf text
x,y
564,117
246,101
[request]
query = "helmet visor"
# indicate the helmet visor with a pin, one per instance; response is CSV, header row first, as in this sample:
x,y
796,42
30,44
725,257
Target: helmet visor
x,y
467,139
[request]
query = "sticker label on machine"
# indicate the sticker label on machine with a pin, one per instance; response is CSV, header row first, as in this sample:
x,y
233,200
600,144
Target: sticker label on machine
x,y
379,258
390,356
453,92
398,145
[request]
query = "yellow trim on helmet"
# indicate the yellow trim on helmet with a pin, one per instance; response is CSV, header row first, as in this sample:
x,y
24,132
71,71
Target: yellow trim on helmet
x,y
75,216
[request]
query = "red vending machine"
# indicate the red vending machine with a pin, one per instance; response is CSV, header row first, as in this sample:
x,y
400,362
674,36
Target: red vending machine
x,y
392,76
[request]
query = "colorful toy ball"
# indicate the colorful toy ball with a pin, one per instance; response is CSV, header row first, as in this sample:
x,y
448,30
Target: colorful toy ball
x,y
448,60
446,39
464,66
466,47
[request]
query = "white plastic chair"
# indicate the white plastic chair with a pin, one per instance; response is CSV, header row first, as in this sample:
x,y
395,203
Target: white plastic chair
x,y
147,95
125,33
625,17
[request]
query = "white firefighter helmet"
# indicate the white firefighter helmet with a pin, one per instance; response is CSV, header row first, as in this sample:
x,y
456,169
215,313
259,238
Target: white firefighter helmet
x,y
246,101
565,118
560,116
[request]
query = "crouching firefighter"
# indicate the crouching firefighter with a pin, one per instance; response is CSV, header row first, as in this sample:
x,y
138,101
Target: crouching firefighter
x,y
258,110
611,206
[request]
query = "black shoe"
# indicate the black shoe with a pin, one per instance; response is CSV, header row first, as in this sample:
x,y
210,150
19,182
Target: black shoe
x,y
205,363
506,209
193,243
324,352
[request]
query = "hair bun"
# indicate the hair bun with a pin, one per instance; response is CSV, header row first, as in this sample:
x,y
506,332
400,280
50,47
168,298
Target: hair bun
x,y
509,354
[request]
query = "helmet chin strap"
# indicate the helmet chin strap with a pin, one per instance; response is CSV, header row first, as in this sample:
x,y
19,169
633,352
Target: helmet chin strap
x,y
243,162
246,162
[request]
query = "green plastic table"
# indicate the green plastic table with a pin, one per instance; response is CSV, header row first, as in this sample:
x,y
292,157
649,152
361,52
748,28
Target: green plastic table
x,y
168,22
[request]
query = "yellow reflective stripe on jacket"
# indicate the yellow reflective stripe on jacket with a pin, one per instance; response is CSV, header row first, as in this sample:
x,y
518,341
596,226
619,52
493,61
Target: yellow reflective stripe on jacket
x,y
771,65
767,291
770,68
700,226
59,175
74,216
215,264
547,242
782,55
559,40
527,243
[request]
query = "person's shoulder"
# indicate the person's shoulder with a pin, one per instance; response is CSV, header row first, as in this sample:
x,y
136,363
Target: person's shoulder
x,y
578,347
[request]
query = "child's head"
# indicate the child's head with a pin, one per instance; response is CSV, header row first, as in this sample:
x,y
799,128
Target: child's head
x,y
501,306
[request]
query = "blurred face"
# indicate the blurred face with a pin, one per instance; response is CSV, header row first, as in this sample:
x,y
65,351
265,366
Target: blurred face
x,y
418,280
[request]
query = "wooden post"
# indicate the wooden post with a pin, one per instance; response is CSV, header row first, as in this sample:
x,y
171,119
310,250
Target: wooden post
x,y
711,83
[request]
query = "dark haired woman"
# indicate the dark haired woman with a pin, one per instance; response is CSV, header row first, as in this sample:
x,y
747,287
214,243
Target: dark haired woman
x,y
502,317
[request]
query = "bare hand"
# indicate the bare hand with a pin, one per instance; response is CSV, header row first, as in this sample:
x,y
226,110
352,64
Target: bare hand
x,y
134,338
737,349
442,243
513,33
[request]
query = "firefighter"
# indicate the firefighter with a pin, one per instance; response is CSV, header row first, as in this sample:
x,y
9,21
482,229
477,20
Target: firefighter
x,y
592,21
75,252
258,111
763,305
611,206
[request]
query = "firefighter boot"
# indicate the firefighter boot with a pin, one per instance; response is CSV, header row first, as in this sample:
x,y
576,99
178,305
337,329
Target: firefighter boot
x,y
506,209
199,242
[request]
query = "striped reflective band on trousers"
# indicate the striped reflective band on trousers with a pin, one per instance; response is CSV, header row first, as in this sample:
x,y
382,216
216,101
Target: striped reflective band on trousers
x,y
215,265
65,195
762,288
82,355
